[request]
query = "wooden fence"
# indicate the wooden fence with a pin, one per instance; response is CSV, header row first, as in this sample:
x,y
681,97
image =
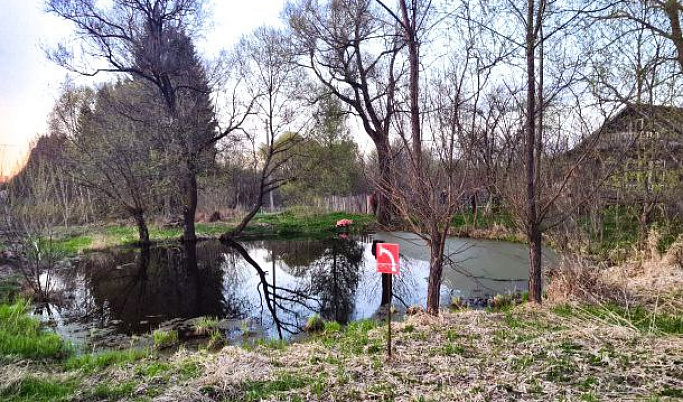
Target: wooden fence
x,y
356,204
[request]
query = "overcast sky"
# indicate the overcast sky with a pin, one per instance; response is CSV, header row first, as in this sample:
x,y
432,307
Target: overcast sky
x,y
29,83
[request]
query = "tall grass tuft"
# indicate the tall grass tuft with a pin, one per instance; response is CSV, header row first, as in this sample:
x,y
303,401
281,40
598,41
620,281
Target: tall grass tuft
x,y
21,335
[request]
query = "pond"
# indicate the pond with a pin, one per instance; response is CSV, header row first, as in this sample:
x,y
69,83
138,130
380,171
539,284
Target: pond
x,y
271,292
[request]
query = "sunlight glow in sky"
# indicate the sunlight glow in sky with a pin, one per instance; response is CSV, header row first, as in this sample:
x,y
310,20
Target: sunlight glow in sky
x,y
29,83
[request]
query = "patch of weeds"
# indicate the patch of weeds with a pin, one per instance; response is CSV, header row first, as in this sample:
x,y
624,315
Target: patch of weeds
x,y
452,349
274,344
122,234
408,328
152,370
164,339
98,361
206,326
190,369
21,335
560,370
31,389
522,363
377,363
216,339
563,310
355,336
504,302
671,392
113,391
422,398
384,391
342,376
588,383
569,347
452,335
420,335
589,397
374,348
532,325
638,317
319,385
72,245
9,288
332,327
315,323
536,388
260,390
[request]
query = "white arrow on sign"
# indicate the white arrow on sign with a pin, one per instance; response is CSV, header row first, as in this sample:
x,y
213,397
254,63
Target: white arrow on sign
x,y
383,250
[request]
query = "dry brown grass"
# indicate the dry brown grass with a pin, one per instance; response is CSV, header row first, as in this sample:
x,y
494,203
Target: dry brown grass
x,y
576,281
527,355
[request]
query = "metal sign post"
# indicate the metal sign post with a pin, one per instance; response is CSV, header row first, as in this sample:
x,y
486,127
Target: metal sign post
x,y
387,263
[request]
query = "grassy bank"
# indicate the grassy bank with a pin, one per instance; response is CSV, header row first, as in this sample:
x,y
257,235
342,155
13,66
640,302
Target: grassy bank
x,y
521,354
571,349
289,224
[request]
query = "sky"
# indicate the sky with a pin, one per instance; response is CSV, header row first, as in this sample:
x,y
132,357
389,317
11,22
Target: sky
x,y
29,83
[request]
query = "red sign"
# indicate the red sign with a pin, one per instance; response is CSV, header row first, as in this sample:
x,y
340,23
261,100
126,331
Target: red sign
x,y
387,258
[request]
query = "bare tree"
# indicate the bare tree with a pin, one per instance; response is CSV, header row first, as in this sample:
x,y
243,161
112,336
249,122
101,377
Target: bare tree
x,y
353,53
265,62
30,218
542,37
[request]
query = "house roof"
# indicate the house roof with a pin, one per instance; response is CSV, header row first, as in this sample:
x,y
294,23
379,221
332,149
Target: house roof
x,y
668,117
662,117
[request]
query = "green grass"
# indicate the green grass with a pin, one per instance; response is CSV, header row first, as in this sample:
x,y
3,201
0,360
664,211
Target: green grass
x,y
292,223
637,317
260,390
9,287
288,223
352,339
21,335
91,363
619,230
72,245
32,389
206,326
111,392
163,338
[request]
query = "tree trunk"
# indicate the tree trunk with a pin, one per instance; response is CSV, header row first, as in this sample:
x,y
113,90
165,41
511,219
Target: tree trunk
x,y
190,207
384,210
143,232
435,272
532,226
535,254
410,35
474,209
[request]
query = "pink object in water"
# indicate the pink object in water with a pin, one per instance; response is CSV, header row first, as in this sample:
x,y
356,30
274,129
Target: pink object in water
x,y
342,223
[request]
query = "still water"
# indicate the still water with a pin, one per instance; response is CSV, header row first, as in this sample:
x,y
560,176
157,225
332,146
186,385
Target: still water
x,y
274,288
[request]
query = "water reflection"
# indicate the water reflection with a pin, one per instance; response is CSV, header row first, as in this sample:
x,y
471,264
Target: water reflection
x,y
268,286
138,289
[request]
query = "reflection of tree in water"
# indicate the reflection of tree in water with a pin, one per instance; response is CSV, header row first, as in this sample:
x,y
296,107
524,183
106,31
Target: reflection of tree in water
x,y
299,255
144,287
334,278
284,303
